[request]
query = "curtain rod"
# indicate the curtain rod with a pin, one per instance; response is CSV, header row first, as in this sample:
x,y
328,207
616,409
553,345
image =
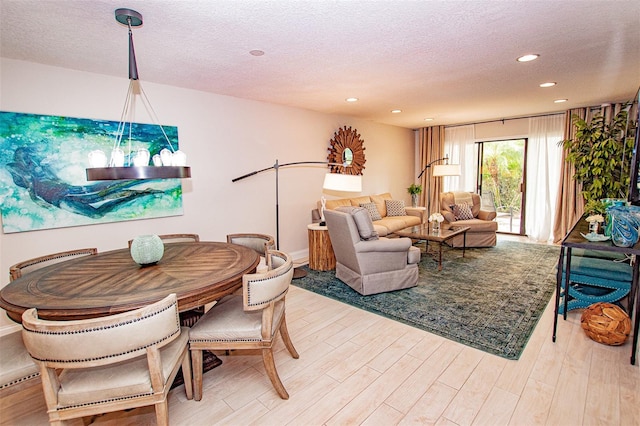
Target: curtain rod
x,y
632,101
508,119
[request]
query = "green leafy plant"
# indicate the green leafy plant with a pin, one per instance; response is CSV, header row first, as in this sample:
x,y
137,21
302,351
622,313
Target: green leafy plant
x,y
414,189
601,155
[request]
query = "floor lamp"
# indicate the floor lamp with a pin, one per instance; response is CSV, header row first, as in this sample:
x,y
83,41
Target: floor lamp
x,y
333,181
445,169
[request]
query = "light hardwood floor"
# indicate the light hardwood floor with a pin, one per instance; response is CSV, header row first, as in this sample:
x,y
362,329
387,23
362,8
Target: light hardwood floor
x,y
359,368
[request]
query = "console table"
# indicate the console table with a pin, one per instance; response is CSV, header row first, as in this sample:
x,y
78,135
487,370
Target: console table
x,y
575,240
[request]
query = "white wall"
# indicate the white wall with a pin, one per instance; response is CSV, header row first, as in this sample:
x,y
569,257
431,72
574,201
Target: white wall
x,y
224,138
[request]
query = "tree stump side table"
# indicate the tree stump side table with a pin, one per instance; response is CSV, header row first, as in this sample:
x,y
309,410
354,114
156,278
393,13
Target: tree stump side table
x,y
321,256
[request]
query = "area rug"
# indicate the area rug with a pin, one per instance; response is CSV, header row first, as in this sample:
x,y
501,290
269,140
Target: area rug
x,y
490,300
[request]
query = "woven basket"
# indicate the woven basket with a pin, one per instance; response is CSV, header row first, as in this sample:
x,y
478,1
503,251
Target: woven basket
x,y
606,323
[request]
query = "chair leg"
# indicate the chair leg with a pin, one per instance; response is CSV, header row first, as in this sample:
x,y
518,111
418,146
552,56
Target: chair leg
x,y
187,375
270,366
196,366
162,413
284,332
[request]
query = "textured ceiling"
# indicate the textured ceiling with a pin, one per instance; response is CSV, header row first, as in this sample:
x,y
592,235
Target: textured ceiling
x,y
454,61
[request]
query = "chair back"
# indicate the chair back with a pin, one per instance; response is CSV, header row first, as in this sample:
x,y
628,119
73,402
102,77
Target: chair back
x,y
261,243
448,199
344,236
16,271
261,289
100,341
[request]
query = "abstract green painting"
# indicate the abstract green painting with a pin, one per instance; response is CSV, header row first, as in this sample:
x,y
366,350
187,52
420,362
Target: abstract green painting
x,y
43,183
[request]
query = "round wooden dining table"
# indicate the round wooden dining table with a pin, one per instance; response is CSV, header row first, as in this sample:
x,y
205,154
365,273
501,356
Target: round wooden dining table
x,y
111,282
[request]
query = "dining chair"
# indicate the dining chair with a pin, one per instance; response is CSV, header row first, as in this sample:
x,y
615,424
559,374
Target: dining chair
x,y
17,370
16,271
248,321
176,238
261,243
113,363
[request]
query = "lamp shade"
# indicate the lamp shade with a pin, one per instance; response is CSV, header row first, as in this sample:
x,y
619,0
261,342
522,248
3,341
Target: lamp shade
x,y
340,182
446,170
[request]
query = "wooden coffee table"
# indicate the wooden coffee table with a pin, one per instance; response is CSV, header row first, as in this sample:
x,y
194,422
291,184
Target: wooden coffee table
x,y
425,233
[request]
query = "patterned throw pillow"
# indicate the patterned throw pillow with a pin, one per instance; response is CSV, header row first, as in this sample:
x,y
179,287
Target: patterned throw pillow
x,y
395,208
462,211
372,209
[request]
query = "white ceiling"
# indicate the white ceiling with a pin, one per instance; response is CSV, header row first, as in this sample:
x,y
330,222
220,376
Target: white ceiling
x,y
454,61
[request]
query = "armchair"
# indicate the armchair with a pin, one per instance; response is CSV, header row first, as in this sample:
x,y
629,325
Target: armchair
x,y
367,263
483,227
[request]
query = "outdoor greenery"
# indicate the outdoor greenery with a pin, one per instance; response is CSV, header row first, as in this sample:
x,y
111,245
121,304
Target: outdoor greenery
x,y
601,155
502,173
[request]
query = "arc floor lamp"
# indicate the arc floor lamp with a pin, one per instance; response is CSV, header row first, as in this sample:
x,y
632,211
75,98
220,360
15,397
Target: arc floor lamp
x,y
332,181
445,169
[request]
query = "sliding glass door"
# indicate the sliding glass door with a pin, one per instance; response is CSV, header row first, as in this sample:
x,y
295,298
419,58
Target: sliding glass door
x,y
501,178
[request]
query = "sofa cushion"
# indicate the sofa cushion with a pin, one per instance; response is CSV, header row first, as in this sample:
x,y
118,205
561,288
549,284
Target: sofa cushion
x,y
363,222
395,208
372,209
462,211
356,201
379,200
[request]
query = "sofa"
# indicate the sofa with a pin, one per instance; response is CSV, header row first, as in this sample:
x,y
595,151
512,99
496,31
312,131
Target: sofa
x,y
366,262
386,221
483,227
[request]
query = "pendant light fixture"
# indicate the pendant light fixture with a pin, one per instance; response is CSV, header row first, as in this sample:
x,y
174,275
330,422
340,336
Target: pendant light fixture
x,y
168,163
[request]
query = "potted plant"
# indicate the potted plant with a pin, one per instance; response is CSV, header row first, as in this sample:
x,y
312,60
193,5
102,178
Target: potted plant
x,y
414,190
601,155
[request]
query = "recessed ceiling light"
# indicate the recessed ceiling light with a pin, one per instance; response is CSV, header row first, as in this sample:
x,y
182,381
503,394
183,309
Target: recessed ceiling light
x,y
527,58
548,84
559,101
396,111
428,119
351,99
256,52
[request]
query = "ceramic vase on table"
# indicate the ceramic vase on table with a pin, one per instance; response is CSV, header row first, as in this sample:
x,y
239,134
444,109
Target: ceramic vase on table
x,y
147,249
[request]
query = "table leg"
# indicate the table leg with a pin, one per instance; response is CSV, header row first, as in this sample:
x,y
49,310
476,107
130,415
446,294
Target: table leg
x,y
566,284
558,287
634,285
440,258
464,242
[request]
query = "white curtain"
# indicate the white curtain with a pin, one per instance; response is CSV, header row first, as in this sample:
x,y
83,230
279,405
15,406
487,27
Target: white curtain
x,y
459,143
543,175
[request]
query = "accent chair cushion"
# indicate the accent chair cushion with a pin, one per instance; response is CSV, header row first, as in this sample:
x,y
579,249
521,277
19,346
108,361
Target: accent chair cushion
x,y
395,208
462,211
363,222
373,210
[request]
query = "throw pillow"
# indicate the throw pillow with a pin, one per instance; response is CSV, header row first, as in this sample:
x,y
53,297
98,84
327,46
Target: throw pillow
x,y
363,222
462,211
395,208
372,209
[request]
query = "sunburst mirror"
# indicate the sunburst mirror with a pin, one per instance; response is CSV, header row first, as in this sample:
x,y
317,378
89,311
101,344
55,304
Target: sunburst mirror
x,y
346,148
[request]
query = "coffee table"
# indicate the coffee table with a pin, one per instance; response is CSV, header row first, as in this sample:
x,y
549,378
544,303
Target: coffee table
x,y
425,233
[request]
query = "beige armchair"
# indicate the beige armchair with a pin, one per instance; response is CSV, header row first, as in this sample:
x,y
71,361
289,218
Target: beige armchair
x,y
367,263
112,363
482,224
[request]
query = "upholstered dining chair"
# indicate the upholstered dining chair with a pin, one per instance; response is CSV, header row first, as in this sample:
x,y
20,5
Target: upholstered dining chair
x,y
261,243
112,363
16,271
248,321
176,238
17,370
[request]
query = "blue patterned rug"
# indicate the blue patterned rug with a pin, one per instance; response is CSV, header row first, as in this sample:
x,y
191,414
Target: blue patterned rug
x,y
490,300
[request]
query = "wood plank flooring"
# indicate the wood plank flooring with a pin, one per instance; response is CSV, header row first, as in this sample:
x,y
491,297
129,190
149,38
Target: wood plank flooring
x,y
357,368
